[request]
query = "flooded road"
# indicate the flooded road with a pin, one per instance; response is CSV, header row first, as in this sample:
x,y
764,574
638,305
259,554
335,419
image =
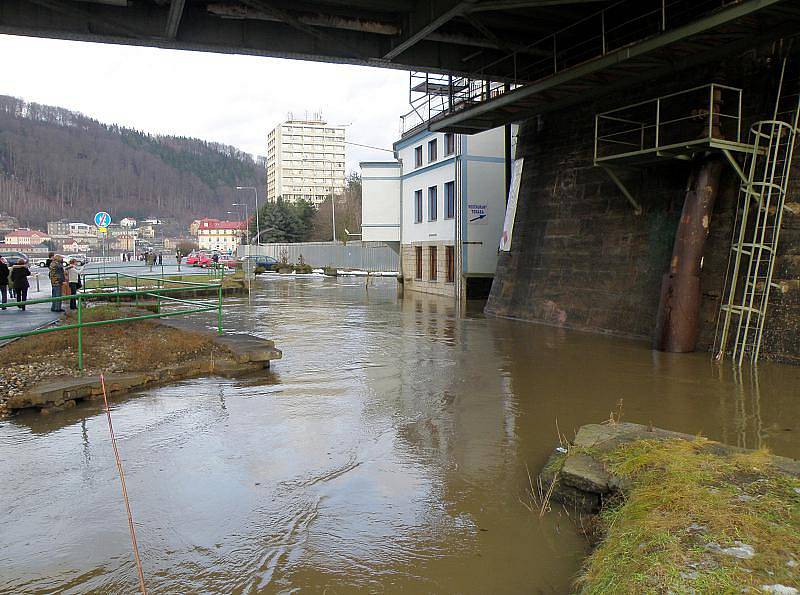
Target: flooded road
x,y
386,452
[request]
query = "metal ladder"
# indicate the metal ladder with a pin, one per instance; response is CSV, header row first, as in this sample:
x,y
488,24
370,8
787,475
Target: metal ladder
x,y
759,215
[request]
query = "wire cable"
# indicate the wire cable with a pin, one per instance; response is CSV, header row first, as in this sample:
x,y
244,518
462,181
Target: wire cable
x,y
139,570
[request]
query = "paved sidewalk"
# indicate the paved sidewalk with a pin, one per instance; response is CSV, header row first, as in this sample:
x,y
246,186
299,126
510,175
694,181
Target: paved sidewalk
x,y
14,320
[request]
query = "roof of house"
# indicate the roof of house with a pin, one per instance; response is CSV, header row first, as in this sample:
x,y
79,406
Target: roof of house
x,y
26,233
217,224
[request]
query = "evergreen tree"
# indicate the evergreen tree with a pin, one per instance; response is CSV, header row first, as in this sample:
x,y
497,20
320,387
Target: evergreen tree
x,y
284,222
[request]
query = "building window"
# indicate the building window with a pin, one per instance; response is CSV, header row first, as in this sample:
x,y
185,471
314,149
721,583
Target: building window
x,y
418,156
450,260
449,200
418,256
449,143
434,264
432,151
432,203
418,206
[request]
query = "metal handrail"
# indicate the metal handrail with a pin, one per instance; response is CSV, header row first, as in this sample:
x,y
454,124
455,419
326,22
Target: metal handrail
x,y
655,123
563,50
158,293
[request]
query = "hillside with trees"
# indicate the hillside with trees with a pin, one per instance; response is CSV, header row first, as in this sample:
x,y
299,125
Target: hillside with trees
x,y
58,163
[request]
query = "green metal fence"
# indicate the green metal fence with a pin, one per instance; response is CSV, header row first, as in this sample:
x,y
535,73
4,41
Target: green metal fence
x,y
136,296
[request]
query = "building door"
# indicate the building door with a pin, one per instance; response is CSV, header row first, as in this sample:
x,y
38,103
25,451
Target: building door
x,y
418,255
434,264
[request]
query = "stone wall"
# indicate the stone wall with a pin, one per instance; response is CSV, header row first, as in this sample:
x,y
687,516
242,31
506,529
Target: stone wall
x,y
582,259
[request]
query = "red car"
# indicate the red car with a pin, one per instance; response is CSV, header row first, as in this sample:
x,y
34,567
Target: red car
x,y
229,261
198,259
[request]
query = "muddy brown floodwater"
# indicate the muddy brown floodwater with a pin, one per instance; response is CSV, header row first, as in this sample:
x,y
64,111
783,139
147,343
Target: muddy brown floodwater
x,y
388,451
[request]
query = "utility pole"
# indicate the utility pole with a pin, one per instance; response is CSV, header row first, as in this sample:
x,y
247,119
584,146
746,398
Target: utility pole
x,y
258,225
333,208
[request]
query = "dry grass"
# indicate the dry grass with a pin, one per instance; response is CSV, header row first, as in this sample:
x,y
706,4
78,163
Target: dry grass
x,y
125,346
685,498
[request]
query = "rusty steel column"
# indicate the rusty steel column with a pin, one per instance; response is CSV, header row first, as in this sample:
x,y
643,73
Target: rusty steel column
x,y
679,308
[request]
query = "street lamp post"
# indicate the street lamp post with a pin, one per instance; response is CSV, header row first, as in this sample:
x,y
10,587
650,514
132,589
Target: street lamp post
x,y
258,225
246,218
246,227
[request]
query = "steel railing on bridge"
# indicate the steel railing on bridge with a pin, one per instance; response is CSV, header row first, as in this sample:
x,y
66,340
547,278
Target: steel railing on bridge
x,y
611,29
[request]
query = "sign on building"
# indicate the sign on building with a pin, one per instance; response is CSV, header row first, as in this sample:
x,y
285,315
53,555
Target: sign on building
x,y
478,213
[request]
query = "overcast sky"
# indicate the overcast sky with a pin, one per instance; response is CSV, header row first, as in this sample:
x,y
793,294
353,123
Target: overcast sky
x,y
217,97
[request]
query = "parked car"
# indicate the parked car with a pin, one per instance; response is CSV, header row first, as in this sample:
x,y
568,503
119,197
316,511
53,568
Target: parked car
x,y
192,258
198,259
228,260
265,262
79,258
42,262
13,257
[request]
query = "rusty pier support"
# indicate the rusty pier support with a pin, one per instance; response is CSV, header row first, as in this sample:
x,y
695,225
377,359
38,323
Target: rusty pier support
x,y
679,308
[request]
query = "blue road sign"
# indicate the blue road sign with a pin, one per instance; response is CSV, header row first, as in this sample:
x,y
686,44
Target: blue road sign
x,y
102,219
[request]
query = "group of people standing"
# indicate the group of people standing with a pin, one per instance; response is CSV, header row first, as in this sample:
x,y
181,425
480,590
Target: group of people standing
x,y
150,258
15,280
64,280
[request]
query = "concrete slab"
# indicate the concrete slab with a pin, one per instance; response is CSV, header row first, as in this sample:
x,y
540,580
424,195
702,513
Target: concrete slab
x,y
248,348
245,347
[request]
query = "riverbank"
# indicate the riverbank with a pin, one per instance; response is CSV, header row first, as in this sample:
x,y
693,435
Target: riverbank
x,y
673,513
41,371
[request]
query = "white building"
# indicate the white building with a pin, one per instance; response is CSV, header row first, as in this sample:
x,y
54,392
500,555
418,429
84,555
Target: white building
x,y
381,185
222,236
25,236
128,222
305,161
444,201
82,230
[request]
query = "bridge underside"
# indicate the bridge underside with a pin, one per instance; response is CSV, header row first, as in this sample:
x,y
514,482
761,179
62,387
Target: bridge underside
x,y
453,36
515,59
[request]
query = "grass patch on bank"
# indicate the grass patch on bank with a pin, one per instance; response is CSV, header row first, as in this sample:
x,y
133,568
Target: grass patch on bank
x,y
696,522
134,346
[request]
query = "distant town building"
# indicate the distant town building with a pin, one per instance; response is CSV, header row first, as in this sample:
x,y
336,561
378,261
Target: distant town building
x,y
443,205
26,237
147,231
66,228
173,243
31,251
58,228
75,246
82,230
305,161
125,242
224,236
127,222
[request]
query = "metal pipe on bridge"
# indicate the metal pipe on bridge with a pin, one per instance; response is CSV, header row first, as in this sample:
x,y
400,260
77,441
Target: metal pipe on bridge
x,y
679,307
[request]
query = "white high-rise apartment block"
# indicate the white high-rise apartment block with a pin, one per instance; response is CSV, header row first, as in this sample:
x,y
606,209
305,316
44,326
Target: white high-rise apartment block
x,y
305,161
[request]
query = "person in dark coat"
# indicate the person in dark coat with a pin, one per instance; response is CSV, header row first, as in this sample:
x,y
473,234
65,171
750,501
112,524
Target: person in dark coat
x,y
19,281
4,273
